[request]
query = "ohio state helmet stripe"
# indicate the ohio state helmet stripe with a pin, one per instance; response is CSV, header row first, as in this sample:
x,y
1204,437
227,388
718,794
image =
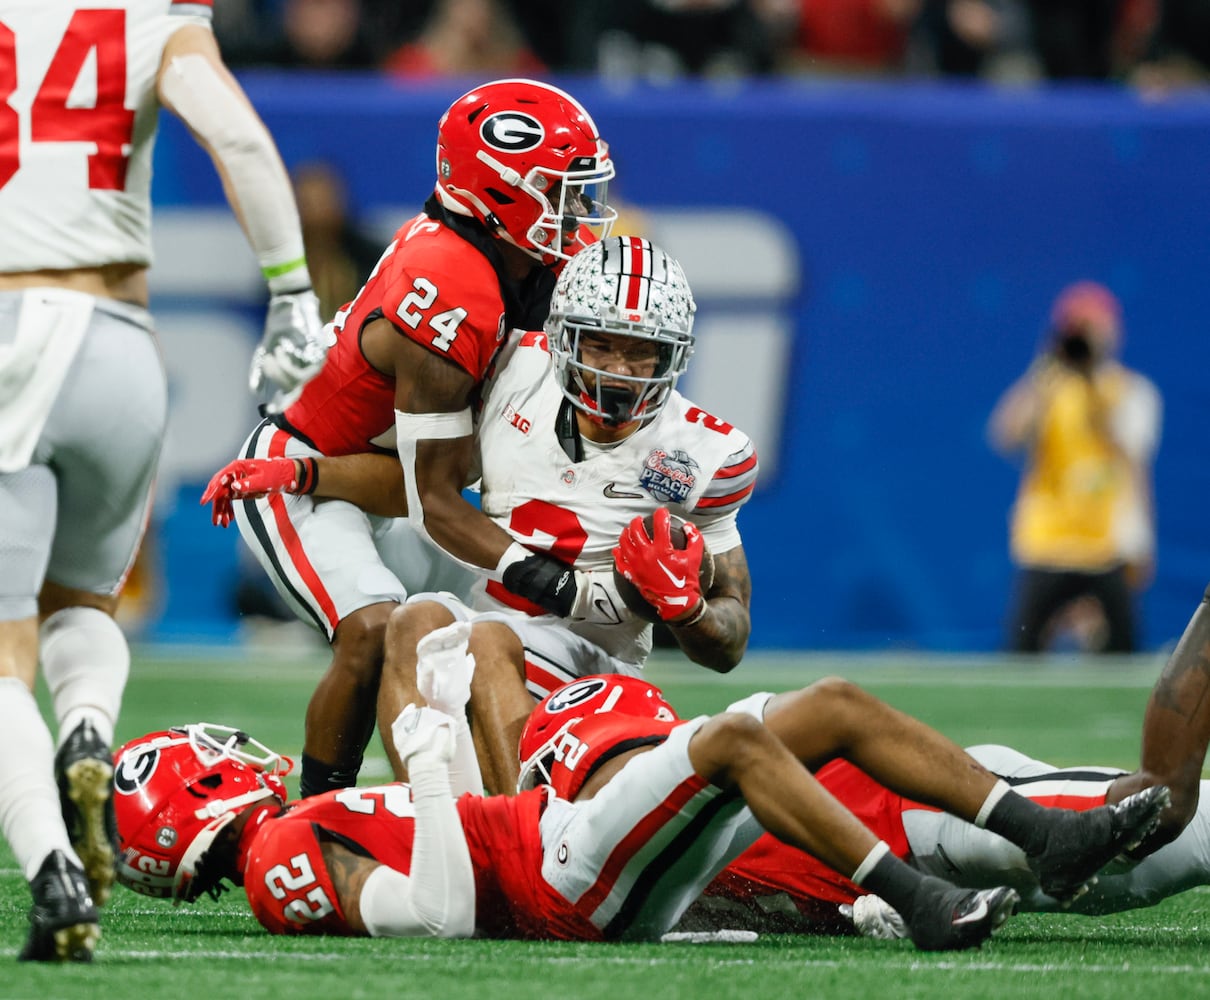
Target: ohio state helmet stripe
x,y
636,273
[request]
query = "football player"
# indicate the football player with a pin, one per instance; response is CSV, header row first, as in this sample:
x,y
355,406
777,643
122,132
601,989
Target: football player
x,y
521,186
580,434
83,403
772,889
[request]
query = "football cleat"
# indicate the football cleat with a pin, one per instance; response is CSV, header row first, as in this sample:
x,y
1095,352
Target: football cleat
x,y
1080,844
957,919
63,920
84,773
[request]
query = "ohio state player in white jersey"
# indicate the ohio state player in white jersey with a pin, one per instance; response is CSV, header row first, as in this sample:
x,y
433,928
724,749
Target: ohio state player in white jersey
x,y
581,434
83,404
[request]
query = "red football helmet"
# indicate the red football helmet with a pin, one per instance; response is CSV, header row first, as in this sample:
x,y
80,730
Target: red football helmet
x,y
526,160
542,747
174,791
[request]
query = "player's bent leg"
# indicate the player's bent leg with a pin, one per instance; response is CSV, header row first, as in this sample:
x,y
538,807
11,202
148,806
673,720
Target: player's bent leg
x,y
734,749
500,704
341,713
407,625
1176,730
835,718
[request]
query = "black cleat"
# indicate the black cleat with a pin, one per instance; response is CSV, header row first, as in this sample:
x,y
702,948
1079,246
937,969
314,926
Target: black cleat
x,y
1080,844
950,919
84,773
63,920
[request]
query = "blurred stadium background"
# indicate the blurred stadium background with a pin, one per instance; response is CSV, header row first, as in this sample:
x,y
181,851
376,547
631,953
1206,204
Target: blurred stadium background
x,y
873,260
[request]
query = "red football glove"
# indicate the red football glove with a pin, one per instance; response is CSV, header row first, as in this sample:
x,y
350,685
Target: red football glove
x,y
666,576
253,478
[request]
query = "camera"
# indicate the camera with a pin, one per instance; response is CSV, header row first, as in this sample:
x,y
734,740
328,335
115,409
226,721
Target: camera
x,y
1073,348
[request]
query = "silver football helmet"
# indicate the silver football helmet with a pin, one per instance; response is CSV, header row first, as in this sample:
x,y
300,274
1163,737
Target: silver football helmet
x,y
621,287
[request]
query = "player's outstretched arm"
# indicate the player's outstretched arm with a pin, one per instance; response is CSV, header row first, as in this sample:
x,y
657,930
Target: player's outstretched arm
x,y
437,899
195,84
371,481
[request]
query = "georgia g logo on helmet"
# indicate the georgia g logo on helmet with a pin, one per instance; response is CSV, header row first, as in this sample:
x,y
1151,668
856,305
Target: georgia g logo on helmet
x,y
135,770
574,695
512,131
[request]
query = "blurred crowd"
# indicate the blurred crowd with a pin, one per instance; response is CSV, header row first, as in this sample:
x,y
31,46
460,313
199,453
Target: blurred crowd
x,y
1149,43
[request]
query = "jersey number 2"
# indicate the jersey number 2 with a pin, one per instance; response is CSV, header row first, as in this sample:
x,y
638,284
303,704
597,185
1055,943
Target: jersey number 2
x,y
108,125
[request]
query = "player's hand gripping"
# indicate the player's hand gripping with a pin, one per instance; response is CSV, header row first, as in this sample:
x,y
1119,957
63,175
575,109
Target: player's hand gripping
x,y
444,667
292,349
666,576
253,478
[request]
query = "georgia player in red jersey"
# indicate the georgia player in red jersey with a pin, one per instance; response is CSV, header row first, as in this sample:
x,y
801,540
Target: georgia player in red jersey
x,y
521,177
771,888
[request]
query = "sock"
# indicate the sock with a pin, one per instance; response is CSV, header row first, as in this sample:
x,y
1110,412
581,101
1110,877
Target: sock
x,y
1015,818
85,661
318,777
895,881
29,799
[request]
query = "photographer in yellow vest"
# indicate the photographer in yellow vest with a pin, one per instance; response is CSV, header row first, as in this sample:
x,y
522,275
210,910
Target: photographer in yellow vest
x,y
1082,531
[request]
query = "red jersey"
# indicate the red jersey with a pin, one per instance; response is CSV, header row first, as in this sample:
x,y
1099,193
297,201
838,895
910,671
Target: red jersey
x,y
291,892
441,283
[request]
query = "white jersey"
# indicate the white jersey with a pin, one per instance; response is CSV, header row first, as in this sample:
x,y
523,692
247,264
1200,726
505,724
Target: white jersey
x,y
685,459
78,119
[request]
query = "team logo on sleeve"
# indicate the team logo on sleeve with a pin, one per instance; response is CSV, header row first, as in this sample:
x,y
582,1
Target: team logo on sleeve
x,y
669,476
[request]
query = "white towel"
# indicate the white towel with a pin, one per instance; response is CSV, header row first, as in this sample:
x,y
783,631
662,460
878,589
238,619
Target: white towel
x,y
33,365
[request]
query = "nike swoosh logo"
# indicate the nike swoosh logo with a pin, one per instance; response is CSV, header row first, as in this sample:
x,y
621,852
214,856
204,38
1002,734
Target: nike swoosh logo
x,y
677,581
614,493
976,915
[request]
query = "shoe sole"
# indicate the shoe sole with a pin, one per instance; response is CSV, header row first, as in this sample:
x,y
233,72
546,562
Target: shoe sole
x,y
75,943
90,787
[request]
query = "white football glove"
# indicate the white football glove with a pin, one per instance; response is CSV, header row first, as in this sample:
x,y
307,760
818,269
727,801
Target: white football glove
x,y
874,917
597,599
292,349
423,730
444,668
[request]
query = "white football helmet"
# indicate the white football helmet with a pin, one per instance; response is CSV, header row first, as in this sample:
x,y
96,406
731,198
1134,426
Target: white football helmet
x,y
622,286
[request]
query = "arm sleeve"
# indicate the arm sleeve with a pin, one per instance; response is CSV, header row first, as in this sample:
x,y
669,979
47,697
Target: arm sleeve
x,y
465,775
210,102
438,898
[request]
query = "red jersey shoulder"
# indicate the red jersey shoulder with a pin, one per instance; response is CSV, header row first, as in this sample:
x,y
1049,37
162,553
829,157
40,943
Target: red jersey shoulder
x,y
287,883
440,291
